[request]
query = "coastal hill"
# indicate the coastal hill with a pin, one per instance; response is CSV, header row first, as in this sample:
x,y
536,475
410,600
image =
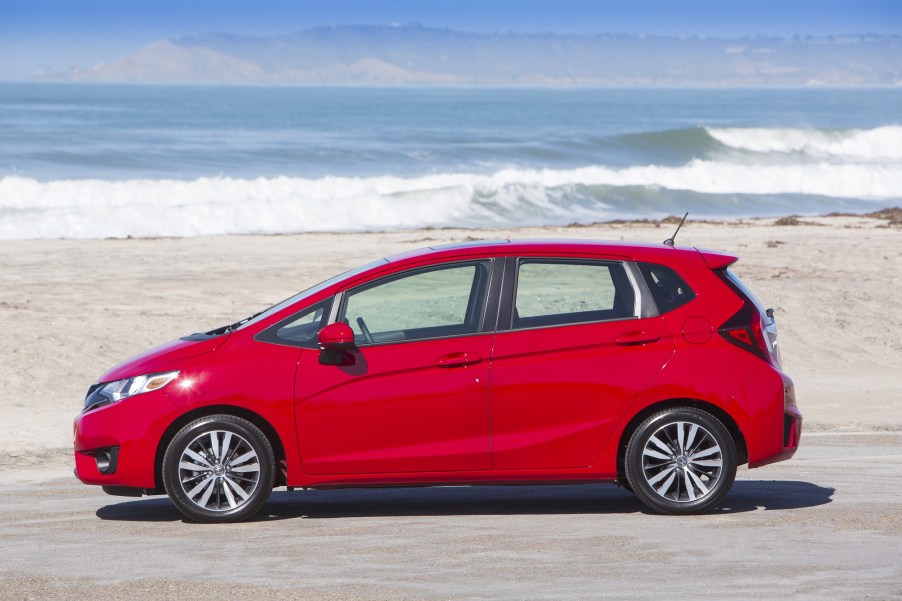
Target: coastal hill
x,y
415,55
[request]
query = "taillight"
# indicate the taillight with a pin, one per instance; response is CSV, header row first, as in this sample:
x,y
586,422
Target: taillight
x,y
745,331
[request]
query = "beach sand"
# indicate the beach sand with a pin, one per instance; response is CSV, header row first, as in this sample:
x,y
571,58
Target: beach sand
x,y
70,309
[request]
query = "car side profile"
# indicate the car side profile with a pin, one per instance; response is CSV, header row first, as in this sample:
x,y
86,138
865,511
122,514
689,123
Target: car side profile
x,y
530,362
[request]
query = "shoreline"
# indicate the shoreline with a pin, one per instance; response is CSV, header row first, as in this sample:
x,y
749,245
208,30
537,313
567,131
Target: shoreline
x,y
891,215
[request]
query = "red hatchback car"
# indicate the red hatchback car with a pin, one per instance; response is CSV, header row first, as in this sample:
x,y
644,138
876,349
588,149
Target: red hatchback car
x,y
534,361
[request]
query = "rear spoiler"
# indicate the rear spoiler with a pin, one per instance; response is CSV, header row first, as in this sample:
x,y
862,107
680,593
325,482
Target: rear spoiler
x,y
716,260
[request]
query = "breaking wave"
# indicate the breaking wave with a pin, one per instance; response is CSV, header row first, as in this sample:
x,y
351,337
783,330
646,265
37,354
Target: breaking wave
x,y
881,143
86,208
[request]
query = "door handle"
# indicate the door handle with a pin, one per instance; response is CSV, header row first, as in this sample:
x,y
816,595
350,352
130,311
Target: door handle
x,y
637,338
458,359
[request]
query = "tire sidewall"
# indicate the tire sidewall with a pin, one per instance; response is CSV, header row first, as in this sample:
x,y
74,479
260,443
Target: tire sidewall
x,y
176,448
634,471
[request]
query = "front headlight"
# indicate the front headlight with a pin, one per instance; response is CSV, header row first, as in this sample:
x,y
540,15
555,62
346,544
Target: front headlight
x,y
111,392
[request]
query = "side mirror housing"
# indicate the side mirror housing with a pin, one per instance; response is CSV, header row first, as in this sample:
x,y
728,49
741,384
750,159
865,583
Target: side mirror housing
x,y
336,336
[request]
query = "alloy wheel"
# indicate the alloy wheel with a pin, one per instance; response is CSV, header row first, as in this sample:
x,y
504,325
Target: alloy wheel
x,y
682,461
219,470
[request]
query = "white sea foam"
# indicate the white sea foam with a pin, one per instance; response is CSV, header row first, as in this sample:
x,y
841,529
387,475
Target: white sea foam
x,y
209,206
881,143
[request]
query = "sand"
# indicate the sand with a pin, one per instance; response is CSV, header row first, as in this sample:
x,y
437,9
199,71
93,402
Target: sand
x,y
69,309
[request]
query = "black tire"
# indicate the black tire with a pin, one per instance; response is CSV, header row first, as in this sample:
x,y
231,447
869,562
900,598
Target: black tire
x,y
623,483
233,478
681,461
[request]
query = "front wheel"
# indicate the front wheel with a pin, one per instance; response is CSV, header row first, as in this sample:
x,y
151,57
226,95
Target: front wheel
x,y
219,468
681,461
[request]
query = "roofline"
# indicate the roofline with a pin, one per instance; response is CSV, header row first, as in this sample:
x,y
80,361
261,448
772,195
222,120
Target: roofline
x,y
519,245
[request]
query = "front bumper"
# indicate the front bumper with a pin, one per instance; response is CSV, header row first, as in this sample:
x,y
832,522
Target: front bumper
x,y
116,444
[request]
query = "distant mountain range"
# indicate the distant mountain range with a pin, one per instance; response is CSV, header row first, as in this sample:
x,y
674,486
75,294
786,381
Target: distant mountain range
x,y
414,55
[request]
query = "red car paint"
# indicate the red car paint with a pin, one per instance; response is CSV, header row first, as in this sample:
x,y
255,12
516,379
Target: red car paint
x,y
540,405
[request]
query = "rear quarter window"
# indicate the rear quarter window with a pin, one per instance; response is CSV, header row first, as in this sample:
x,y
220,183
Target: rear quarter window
x,y
667,288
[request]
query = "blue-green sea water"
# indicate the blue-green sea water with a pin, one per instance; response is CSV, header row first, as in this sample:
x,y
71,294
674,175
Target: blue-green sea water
x,y
117,160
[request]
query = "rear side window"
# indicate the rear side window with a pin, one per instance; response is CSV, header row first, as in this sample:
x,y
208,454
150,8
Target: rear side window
x,y
667,288
556,292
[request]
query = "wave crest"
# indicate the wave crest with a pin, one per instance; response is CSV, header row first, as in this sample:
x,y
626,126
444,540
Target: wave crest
x,y
881,143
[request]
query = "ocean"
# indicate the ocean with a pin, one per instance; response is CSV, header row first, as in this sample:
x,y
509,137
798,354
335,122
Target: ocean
x,y
98,161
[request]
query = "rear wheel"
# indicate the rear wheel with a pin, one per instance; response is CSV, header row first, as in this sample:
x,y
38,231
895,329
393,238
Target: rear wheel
x,y
219,468
681,461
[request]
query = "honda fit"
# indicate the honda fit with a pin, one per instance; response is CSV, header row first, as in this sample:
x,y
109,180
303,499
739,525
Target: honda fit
x,y
529,362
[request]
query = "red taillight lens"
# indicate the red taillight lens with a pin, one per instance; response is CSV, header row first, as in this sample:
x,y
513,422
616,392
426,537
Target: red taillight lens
x,y
744,330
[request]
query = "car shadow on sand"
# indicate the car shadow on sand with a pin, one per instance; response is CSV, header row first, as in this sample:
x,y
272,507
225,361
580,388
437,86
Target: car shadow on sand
x,y
758,495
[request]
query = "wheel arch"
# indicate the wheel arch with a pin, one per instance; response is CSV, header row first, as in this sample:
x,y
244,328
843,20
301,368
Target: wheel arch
x,y
251,416
742,453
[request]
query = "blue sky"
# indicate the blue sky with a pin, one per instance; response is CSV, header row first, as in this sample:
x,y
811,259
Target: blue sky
x,y
62,33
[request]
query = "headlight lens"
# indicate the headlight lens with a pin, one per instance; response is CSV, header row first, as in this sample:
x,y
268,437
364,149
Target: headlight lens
x,y
122,389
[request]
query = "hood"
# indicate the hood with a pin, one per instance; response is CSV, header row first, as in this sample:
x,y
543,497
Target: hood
x,y
162,357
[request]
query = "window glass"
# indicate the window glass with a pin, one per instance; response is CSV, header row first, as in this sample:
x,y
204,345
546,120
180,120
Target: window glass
x,y
304,326
562,292
433,303
667,288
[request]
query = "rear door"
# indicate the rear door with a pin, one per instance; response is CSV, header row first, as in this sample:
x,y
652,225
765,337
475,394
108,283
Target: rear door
x,y
573,350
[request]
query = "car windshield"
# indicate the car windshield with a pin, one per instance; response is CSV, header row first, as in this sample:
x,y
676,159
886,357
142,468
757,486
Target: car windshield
x,y
248,321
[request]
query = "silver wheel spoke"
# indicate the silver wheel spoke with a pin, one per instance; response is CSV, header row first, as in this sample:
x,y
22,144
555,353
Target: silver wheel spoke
x,y
193,492
660,476
653,453
243,458
689,490
214,445
230,497
193,467
659,444
707,462
244,496
705,453
680,439
692,432
198,458
206,496
246,468
698,482
667,483
226,441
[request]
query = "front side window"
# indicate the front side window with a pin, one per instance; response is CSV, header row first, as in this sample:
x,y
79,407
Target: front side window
x,y
300,329
560,292
428,303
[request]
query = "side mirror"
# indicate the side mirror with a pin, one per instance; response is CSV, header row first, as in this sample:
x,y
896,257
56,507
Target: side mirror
x,y
336,336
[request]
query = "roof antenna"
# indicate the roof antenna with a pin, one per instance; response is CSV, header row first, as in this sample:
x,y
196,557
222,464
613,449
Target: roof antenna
x,y
669,241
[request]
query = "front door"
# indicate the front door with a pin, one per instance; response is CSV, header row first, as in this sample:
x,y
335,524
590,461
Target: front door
x,y
413,395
